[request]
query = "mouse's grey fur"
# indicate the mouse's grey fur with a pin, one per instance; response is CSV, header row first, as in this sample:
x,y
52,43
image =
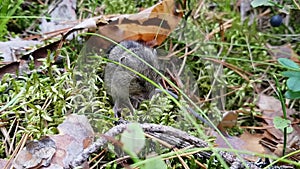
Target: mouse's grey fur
x,y
126,87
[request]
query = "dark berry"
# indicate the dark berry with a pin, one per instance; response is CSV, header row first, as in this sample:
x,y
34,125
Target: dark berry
x,y
276,20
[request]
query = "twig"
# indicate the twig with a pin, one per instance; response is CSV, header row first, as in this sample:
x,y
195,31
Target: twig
x,y
18,148
116,160
181,160
239,71
225,26
168,134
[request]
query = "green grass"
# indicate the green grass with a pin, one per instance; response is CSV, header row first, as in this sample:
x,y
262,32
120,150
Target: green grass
x,y
7,9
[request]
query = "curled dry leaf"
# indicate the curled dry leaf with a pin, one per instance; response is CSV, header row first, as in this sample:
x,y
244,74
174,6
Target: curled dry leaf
x,y
270,142
57,151
75,134
36,154
229,119
151,25
22,65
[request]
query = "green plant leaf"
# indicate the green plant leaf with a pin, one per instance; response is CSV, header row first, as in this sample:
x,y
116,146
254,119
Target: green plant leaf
x,y
291,73
7,9
293,83
257,3
133,138
155,163
281,123
46,116
288,63
292,95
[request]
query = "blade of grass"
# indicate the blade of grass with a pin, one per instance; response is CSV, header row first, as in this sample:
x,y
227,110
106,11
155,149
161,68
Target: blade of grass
x,y
280,96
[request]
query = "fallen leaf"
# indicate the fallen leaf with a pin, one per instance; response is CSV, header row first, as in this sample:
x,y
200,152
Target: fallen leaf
x,y
229,119
283,51
62,15
76,126
40,53
252,143
12,50
152,25
271,108
22,64
244,142
36,154
72,139
11,68
75,133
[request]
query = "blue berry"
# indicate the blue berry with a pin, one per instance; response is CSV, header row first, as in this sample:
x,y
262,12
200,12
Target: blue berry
x,y
276,20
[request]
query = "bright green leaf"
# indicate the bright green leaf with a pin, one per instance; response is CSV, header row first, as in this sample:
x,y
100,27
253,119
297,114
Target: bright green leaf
x,y
257,3
288,63
133,138
155,163
289,129
46,117
292,95
293,84
281,123
291,73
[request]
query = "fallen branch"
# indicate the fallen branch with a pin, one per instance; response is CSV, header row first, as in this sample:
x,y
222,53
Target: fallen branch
x,y
173,136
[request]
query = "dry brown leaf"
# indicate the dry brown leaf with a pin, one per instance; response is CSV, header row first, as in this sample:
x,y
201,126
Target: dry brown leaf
x,y
234,141
271,107
273,138
40,53
76,126
229,119
12,50
275,147
21,65
283,51
277,134
244,142
75,134
252,144
35,154
11,68
67,149
270,142
151,25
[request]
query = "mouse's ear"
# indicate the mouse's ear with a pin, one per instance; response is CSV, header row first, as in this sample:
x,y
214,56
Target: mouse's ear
x,y
129,44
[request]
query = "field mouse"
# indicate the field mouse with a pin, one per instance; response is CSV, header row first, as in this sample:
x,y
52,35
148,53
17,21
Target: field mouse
x,y
126,87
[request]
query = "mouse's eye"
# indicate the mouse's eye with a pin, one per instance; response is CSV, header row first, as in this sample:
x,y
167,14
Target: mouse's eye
x,y
122,59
